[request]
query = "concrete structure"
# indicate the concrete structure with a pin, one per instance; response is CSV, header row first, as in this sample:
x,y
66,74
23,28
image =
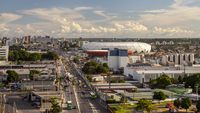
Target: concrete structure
x,y
27,39
117,58
132,47
46,70
4,50
115,86
178,59
145,73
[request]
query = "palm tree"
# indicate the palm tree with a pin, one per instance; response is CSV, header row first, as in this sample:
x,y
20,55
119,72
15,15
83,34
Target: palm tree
x,y
55,107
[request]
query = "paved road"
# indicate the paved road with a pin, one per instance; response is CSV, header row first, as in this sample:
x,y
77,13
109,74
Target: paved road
x,y
86,104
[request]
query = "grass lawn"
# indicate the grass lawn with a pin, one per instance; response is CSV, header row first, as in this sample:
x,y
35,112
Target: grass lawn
x,y
121,108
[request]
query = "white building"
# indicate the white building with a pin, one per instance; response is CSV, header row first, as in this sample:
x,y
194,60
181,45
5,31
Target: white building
x,y
117,59
145,72
178,59
4,50
132,47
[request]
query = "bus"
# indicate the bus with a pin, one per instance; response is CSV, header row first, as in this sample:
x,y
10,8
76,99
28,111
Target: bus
x,y
70,106
93,95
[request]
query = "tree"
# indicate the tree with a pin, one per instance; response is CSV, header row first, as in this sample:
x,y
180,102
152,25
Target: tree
x,y
55,107
50,56
23,55
89,77
177,103
33,74
186,103
192,81
76,59
198,106
35,57
102,69
180,79
12,76
95,68
123,99
161,82
159,96
105,65
144,105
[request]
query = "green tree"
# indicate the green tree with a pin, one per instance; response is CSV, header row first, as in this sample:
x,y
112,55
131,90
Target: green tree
x,y
35,57
50,56
55,107
105,65
102,69
33,74
161,82
186,103
144,105
95,68
76,59
177,103
123,100
90,67
180,79
192,81
198,106
12,76
159,96
89,77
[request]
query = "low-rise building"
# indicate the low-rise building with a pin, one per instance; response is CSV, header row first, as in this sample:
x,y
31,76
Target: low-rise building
x,y
145,73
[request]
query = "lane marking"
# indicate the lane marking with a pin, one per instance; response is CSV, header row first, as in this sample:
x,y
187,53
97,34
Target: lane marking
x,y
75,93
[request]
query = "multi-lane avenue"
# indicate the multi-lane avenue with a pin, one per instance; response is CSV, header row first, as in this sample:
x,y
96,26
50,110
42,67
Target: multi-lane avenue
x,y
80,93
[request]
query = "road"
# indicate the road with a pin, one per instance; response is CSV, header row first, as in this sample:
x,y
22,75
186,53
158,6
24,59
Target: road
x,y
87,105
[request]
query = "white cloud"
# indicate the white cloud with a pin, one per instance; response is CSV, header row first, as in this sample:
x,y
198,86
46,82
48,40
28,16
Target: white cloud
x,y
177,14
4,28
172,31
82,8
8,17
173,21
130,26
156,11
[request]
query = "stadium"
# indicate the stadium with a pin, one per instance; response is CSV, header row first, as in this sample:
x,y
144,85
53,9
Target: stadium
x,y
101,48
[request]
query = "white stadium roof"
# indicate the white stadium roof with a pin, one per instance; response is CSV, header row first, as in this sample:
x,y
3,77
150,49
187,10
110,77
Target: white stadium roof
x,y
132,46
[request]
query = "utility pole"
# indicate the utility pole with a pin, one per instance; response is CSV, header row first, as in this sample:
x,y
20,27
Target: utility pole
x,y
109,79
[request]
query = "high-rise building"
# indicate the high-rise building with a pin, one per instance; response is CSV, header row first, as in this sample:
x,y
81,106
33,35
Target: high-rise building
x,y
178,59
27,39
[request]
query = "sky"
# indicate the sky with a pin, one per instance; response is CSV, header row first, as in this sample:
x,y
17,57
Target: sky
x,y
101,18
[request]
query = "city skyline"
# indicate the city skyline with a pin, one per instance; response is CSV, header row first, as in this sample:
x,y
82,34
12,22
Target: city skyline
x,y
100,19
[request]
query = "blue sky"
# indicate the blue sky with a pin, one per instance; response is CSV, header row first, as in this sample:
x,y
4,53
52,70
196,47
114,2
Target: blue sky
x,y
100,18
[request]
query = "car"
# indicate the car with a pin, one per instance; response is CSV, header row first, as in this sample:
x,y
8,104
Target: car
x,y
25,98
36,104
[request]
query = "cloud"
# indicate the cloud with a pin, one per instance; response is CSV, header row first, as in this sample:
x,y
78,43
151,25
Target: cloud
x,y
130,26
8,17
71,22
53,14
177,14
156,11
103,14
4,28
172,31
82,8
